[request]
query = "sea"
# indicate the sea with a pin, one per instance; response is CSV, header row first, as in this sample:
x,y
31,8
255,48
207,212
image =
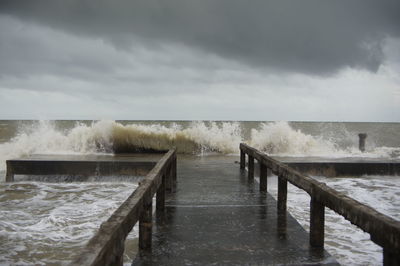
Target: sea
x,y
46,221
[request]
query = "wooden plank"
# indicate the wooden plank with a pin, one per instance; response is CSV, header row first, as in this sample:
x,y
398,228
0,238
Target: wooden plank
x,y
317,223
242,160
282,194
146,227
160,196
250,168
263,177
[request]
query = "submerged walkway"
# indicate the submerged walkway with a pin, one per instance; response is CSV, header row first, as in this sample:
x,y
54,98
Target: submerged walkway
x,y
216,216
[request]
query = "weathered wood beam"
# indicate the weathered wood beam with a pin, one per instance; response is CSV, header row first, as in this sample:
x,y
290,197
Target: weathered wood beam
x,y
250,168
263,177
317,223
146,227
282,194
242,160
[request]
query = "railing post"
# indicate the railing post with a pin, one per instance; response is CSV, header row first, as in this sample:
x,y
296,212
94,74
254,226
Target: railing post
x,y
242,159
174,169
145,227
160,197
173,172
168,178
390,258
317,223
251,167
263,176
282,194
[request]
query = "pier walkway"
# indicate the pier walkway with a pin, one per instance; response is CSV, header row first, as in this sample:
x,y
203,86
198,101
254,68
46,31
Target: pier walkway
x,y
217,216
213,212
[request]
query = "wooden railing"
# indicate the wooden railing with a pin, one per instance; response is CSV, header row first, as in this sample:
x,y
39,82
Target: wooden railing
x,y
107,245
383,230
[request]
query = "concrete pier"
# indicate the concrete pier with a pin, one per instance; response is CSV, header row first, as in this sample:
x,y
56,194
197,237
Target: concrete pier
x,y
342,167
218,216
82,165
215,213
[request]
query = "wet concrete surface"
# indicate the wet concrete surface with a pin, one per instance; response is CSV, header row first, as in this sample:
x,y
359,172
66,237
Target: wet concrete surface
x,y
342,167
136,157
80,167
218,217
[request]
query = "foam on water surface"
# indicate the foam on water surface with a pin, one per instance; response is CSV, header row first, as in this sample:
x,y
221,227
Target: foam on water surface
x,y
346,242
48,223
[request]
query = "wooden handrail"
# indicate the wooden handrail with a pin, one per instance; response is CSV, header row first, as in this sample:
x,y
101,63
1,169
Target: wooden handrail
x,y
384,230
107,246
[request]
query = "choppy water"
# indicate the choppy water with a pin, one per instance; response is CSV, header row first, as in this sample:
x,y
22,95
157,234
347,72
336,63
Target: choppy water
x,y
346,242
47,222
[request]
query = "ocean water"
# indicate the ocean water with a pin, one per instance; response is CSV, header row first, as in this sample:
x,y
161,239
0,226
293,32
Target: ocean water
x,y
46,222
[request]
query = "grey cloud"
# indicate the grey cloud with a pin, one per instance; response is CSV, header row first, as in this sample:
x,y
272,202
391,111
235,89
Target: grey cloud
x,y
38,58
310,36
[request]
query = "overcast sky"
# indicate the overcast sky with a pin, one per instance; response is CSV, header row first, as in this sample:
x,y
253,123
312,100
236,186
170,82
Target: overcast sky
x,y
200,60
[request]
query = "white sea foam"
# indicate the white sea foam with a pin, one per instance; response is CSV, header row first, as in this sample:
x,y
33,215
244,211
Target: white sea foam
x,y
47,223
280,139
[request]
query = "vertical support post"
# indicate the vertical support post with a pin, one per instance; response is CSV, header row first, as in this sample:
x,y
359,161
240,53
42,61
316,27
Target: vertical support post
x,y
168,180
361,142
145,227
251,167
160,197
9,172
263,177
390,258
242,159
317,223
282,194
174,170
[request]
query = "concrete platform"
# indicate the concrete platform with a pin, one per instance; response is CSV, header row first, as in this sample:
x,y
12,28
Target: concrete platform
x,y
343,167
217,217
80,166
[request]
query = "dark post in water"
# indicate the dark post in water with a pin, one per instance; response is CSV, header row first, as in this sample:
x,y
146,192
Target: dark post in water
x,y
362,137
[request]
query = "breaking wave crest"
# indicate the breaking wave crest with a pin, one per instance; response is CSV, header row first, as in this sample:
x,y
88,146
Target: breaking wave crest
x,y
276,138
43,137
280,138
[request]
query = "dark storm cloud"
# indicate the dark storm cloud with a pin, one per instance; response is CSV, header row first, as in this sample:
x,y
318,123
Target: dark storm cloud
x,y
317,37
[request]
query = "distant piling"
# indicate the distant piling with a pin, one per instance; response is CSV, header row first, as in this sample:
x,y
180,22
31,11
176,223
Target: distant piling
x,y
361,143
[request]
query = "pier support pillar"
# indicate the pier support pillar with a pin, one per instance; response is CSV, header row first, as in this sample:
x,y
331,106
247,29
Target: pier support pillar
x,y
317,223
390,258
174,170
160,197
282,194
361,143
242,159
263,177
168,179
251,167
145,227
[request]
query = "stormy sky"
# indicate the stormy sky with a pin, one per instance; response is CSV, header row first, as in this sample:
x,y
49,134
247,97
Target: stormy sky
x,y
200,60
